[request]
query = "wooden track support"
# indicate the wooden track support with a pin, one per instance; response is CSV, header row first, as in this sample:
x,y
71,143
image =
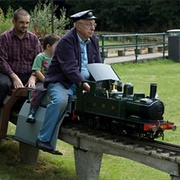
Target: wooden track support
x,y
6,110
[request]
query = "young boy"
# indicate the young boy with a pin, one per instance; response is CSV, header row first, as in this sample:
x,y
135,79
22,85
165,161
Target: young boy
x,y
40,65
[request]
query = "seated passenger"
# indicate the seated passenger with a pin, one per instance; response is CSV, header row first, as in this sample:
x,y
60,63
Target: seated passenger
x,y
67,71
40,65
18,48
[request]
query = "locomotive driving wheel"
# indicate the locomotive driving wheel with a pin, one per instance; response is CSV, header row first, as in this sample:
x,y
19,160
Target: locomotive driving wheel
x,y
115,128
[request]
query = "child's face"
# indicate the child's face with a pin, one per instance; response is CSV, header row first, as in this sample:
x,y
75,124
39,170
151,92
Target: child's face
x,y
52,48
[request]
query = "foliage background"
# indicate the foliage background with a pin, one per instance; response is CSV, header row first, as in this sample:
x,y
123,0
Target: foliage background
x,y
43,19
116,15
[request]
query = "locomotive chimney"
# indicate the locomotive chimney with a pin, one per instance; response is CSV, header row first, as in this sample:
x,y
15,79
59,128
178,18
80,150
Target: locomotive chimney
x,y
128,90
153,89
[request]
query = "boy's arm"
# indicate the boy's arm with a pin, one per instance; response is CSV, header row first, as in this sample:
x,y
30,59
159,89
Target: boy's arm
x,y
39,76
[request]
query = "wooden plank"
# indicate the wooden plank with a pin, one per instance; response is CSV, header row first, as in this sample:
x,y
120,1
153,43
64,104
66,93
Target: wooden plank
x,y
6,110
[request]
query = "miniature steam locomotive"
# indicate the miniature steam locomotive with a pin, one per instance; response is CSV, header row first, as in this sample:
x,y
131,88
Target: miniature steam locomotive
x,y
120,112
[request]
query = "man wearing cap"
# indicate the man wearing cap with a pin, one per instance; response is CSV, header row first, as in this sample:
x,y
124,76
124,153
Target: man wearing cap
x,y
68,70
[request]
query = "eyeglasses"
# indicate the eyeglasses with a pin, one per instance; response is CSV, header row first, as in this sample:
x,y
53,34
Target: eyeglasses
x,y
89,24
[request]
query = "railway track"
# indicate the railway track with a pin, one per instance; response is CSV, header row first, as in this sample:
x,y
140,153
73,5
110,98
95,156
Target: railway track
x,y
163,147
148,145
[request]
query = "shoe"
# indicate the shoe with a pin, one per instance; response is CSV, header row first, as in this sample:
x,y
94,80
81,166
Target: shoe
x,y
31,116
45,146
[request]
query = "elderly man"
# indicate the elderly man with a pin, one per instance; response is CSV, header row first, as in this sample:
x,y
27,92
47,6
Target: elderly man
x,y
18,48
68,71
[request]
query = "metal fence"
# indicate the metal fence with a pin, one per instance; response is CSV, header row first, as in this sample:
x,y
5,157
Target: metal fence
x,y
136,41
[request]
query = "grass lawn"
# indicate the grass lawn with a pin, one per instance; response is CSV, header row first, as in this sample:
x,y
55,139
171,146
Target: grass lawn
x,y
163,72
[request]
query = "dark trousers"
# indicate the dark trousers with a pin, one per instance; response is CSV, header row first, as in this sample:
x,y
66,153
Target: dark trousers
x,y
6,84
37,95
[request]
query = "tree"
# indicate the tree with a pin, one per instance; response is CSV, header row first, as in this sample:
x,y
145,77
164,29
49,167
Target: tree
x,y
15,4
41,20
131,15
114,15
165,14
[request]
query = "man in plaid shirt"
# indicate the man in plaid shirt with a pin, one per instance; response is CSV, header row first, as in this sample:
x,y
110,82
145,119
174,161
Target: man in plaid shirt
x,y
18,48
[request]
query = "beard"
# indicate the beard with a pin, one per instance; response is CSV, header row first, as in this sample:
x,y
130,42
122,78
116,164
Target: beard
x,y
22,30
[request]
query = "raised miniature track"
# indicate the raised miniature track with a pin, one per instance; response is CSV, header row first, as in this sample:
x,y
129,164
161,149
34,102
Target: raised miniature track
x,y
148,145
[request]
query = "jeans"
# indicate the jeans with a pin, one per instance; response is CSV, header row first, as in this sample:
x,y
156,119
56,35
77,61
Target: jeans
x,y
59,101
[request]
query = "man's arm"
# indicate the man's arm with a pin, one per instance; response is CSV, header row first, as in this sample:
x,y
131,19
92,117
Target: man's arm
x,y
4,66
16,81
85,86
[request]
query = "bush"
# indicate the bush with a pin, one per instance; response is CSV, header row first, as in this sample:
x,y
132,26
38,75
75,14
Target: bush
x,y
6,19
41,20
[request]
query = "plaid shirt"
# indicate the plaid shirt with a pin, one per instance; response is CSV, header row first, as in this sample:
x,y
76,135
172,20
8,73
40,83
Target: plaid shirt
x,y
17,55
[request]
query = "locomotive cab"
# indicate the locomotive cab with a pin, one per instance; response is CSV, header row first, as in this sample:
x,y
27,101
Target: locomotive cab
x,y
105,83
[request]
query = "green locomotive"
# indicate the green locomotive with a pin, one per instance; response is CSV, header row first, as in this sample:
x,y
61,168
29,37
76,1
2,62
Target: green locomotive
x,y
119,110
